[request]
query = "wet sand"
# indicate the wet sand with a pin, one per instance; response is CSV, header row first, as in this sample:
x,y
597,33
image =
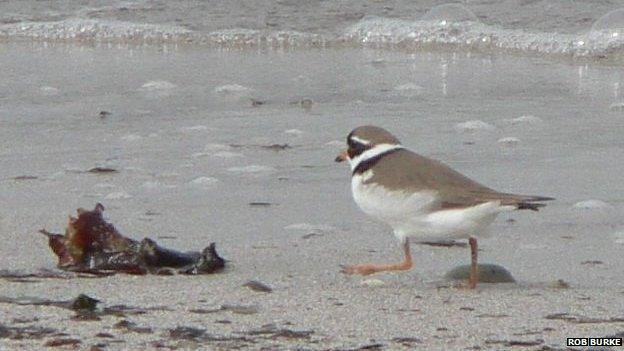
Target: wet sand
x,y
190,149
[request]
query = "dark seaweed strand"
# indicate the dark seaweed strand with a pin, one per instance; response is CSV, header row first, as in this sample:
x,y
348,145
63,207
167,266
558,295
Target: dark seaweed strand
x,y
369,163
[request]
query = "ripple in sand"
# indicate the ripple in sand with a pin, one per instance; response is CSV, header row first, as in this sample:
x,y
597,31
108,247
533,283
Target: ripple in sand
x,y
226,154
157,85
231,89
617,106
150,184
49,91
619,237
131,137
409,89
217,147
119,195
591,204
192,129
157,89
156,185
141,112
449,13
204,181
372,283
335,143
301,78
55,175
473,126
526,119
217,150
293,132
252,169
509,141
169,175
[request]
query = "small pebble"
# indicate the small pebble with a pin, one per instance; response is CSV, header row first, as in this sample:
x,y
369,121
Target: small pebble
x,y
258,286
306,104
256,103
25,177
260,203
105,335
62,342
84,302
560,284
310,227
311,235
276,147
102,170
592,262
488,273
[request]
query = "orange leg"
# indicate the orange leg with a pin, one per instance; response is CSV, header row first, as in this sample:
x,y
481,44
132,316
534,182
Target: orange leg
x,y
474,269
366,269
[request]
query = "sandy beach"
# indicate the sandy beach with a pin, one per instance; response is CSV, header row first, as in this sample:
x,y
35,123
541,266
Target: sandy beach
x,y
193,151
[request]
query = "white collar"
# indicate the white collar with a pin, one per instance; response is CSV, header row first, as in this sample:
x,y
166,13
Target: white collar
x,y
370,153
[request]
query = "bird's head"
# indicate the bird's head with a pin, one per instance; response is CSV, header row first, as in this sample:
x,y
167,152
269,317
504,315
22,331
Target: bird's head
x,y
366,140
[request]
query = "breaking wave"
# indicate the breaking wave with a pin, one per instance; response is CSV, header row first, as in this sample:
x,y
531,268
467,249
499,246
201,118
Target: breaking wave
x,y
448,28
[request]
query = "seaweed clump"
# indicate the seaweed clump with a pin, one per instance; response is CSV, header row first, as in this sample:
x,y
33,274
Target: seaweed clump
x,y
90,244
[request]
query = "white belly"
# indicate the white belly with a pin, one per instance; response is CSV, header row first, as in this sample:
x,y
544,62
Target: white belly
x,y
393,207
410,213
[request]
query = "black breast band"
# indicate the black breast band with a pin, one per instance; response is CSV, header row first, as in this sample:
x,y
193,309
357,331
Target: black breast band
x,y
368,164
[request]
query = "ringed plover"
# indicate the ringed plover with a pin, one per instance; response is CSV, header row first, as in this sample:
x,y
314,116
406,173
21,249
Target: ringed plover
x,y
420,197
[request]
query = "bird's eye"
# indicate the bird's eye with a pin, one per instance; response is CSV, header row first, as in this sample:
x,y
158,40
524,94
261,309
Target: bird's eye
x,y
356,148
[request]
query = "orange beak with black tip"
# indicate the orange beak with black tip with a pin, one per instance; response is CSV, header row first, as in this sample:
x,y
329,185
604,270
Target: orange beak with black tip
x,y
343,156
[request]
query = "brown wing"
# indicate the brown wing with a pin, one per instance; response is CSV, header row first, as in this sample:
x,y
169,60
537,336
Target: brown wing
x,y
405,169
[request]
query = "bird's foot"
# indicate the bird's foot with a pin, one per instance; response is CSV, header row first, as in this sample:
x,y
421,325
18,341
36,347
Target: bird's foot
x,y
465,285
359,269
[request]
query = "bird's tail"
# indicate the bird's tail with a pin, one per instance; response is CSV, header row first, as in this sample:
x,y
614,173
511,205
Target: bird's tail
x,y
526,202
